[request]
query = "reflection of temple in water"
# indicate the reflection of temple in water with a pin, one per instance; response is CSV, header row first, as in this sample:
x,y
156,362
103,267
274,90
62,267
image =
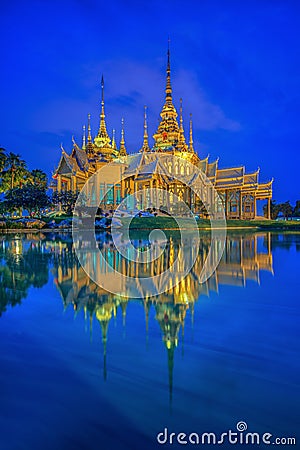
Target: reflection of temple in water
x,y
245,256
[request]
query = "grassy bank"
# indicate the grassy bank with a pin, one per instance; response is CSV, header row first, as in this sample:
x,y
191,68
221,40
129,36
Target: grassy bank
x,y
146,223
164,223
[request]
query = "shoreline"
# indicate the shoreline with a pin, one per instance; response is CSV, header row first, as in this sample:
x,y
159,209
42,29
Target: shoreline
x,y
254,227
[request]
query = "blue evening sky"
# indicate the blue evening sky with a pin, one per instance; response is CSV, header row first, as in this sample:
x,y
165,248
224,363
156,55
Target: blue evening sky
x,y
235,64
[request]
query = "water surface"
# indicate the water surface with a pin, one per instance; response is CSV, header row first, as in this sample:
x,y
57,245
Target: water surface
x,y
84,369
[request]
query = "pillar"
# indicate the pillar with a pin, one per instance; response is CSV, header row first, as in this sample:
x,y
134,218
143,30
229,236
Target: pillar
x,y
73,183
255,208
241,206
151,193
226,204
59,183
269,208
59,190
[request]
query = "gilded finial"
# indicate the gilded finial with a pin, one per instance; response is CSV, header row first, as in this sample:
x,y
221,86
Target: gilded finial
x,y
168,84
83,138
102,90
89,129
122,131
181,130
191,134
102,139
181,119
123,151
113,142
145,147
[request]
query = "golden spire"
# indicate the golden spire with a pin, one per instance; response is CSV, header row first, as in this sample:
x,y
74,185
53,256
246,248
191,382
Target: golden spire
x,y
191,135
102,139
181,119
113,142
181,139
102,115
83,138
145,147
89,146
168,83
122,151
181,130
167,135
89,129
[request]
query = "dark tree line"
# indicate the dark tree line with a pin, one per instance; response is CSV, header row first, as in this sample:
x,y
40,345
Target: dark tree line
x,y
21,188
285,209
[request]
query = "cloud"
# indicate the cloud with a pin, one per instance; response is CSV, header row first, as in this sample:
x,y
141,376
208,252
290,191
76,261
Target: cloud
x,y
129,86
206,115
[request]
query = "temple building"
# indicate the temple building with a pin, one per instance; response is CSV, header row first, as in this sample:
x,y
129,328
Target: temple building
x,y
154,167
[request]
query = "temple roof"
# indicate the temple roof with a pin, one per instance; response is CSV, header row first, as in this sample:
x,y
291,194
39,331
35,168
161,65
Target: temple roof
x,y
67,164
212,169
232,172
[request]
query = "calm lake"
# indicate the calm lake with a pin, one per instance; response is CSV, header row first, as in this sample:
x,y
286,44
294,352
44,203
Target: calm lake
x,y
84,369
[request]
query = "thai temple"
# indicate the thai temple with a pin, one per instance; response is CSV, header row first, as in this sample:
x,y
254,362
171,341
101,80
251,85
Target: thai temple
x,y
154,167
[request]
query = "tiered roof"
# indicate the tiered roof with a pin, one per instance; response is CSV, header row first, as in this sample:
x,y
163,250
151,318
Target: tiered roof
x,y
168,139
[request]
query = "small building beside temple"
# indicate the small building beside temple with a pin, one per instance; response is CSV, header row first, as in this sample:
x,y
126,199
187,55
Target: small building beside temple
x,y
238,190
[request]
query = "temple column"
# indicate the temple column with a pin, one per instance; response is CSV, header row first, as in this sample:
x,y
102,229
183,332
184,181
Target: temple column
x,y
73,183
226,204
59,183
255,207
144,198
269,208
151,193
241,206
122,190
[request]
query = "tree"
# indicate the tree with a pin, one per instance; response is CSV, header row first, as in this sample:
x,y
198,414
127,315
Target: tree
x,y
66,199
38,178
274,210
29,197
296,211
2,158
286,209
15,172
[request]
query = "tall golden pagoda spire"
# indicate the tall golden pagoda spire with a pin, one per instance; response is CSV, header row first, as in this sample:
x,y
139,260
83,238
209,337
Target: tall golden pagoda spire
x,y
167,135
168,83
181,139
89,146
83,138
145,147
122,151
89,128
102,139
191,143
113,142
